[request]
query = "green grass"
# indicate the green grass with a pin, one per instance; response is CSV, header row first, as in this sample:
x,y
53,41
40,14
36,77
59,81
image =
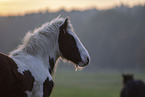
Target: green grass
x,y
88,84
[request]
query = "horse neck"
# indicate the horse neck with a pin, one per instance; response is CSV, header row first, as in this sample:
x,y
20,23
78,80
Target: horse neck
x,y
42,48
45,50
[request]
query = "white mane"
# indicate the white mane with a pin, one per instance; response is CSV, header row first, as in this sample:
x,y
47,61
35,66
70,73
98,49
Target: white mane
x,y
41,41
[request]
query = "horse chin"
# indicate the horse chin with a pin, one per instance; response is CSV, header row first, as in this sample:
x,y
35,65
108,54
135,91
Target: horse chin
x,y
80,66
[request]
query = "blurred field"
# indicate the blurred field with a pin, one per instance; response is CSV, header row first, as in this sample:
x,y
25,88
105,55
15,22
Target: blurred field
x,y
89,84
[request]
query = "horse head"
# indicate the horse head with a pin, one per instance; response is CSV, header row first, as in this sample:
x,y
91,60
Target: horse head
x,y
127,77
70,46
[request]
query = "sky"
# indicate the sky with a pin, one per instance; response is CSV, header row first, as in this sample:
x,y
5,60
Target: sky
x,y
8,7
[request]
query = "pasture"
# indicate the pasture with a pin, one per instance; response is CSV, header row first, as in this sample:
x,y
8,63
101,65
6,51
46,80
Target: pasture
x,y
89,84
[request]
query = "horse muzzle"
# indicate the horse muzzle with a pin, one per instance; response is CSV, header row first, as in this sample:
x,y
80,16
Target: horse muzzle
x,y
84,63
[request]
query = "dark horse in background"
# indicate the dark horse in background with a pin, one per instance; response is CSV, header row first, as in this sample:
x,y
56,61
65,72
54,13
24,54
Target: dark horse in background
x,y
132,88
27,71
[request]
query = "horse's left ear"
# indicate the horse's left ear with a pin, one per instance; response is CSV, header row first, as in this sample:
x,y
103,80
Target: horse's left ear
x,y
65,23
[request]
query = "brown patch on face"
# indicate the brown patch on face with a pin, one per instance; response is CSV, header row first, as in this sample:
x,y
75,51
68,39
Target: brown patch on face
x,y
47,87
13,83
67,44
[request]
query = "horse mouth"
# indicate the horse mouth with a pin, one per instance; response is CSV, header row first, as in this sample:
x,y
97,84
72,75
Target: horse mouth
x,y
81,64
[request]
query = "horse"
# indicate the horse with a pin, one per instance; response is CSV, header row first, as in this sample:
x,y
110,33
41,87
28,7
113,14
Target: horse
x,y
132,88
27,71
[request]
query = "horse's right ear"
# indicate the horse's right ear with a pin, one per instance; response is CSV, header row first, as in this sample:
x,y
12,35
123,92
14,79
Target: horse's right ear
x,y
64,24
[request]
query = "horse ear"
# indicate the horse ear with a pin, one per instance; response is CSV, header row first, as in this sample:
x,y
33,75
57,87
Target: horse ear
x,y
65,23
